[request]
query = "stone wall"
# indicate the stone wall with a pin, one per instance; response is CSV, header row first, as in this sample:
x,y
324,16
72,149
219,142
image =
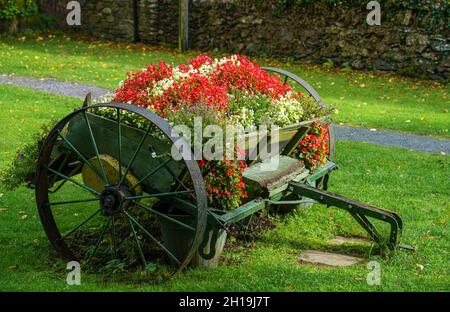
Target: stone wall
x,y
408,41
107,19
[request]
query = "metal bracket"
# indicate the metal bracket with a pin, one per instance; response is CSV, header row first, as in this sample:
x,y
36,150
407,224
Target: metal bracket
x,y
214,232
87,100
358,210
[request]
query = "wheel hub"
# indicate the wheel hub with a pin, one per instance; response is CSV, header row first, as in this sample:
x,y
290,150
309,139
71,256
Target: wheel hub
x,y
114,199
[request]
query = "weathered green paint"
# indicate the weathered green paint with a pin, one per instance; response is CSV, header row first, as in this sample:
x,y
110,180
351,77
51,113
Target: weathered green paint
x,y
269,182
321,171
105,134
359,210
243,211
286,135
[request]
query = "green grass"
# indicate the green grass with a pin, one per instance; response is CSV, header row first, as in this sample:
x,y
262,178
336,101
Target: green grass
x,y
416,185
362,99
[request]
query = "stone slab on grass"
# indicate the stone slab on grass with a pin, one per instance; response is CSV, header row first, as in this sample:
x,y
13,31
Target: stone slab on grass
x,y
327,258
338,240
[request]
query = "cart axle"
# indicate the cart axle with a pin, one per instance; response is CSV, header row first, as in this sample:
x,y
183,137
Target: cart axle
x,y
114,199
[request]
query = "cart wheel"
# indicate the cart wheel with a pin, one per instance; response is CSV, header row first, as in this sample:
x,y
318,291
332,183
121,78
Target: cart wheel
x,y
98,205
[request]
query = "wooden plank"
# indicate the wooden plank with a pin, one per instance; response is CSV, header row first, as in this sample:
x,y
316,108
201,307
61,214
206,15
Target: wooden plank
x,y
243,211
270,181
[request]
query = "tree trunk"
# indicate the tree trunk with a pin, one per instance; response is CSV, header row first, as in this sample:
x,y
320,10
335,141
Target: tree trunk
x,y
13,27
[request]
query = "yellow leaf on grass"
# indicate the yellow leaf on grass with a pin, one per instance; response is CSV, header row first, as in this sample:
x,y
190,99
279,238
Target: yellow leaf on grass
x,y
23,217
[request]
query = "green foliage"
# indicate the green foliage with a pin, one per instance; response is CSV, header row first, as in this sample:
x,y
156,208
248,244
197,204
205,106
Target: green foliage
x,y
21,170
12,9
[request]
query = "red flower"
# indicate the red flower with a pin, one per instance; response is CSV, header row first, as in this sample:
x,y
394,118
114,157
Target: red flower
x,y
163,89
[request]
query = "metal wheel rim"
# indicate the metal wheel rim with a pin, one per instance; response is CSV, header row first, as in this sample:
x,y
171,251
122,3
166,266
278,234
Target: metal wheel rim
x,y
42,190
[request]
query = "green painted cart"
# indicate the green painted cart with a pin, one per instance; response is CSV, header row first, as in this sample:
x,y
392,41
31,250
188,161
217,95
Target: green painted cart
x,y
105,186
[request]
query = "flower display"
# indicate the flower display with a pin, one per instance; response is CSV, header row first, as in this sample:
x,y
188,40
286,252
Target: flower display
x,y
313,148
224,182
232,84
235,89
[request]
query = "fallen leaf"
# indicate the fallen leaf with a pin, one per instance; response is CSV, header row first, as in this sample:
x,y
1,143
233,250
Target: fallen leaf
x,y
12,267
420,266
373,129
23,217
3,209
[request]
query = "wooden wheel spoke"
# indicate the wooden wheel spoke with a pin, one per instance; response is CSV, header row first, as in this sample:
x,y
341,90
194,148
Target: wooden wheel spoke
x,y
91,134
160,194
73,181
153,238
105,227
113,237
178,180
65,202
138,244
150,173
135,154
164,216
119,143
60,167
76,151
80,225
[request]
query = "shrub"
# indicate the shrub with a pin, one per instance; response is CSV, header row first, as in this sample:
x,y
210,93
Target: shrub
x,y
21,170
13,9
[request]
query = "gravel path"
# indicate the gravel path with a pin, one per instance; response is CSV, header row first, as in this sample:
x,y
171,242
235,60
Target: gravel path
x,y
54,86
344,133
392,138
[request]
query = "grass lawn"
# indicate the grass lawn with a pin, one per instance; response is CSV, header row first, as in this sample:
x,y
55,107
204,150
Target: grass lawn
x,y
361,99
416,185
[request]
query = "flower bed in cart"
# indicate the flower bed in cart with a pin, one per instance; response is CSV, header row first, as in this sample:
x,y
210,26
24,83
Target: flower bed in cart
x,y
228,91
